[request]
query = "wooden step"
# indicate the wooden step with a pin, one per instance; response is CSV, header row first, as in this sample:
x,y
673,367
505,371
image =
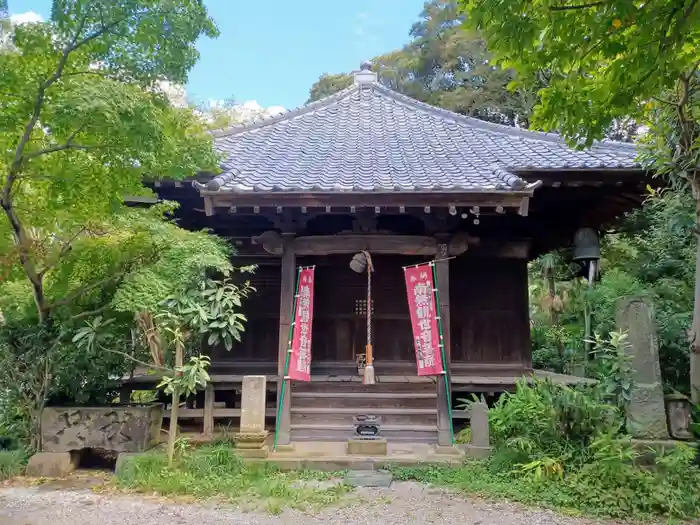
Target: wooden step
x,y
367,395
347,386
389,415
393,433
364,400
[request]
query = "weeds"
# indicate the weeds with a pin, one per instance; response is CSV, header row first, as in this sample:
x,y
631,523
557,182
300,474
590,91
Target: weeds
x,y
215,471
12,463
563,448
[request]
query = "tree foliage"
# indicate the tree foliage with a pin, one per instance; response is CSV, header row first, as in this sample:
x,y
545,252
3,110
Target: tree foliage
x,y
601,60
608,60
83,121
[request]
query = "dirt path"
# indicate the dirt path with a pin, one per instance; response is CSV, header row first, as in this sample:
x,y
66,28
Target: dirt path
x,y
402,504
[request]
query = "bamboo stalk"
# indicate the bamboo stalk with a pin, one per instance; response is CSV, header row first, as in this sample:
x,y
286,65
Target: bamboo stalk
x,y
175,406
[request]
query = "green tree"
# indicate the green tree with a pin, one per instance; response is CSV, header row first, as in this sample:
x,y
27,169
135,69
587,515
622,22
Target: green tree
x,y
84,122
328,85
444,66
604,61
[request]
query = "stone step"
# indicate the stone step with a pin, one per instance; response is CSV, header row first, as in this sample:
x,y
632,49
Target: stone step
x,y
392,433
364,400
388,415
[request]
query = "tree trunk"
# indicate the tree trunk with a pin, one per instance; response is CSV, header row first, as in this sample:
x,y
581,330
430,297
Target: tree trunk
x,y
695,327
175,406
551,285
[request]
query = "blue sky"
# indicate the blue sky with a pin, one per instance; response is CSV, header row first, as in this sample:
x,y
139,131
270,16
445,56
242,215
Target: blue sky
x,y
273,50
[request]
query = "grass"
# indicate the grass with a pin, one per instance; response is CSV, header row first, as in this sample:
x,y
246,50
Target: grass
x,y
12,463
630,493
215,471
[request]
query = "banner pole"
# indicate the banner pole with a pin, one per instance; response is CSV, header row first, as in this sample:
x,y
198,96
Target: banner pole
x,y
286,359
442,351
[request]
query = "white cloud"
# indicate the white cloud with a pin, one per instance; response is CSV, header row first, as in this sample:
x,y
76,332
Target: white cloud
x,y
238,112
366,29
30,17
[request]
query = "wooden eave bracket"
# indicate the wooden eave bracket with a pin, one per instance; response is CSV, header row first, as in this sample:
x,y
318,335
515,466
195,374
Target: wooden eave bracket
x,y
518,199
271,242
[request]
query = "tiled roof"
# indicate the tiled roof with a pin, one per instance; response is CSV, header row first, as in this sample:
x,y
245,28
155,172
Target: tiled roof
x,y
369,138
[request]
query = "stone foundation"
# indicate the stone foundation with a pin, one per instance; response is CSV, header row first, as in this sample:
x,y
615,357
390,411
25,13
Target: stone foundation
x,y
367,447
52,464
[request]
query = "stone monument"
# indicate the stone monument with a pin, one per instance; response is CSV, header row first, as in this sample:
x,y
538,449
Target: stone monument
x,y
250,441
480,445
679,417
646,418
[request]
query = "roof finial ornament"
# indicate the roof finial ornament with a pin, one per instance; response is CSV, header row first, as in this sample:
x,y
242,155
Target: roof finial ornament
x,y
365,75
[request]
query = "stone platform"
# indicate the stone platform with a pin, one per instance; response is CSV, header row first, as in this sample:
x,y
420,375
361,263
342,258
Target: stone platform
x,y
333,456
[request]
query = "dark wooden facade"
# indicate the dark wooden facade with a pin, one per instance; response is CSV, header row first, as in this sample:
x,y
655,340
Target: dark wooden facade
x,y
489,315
482,278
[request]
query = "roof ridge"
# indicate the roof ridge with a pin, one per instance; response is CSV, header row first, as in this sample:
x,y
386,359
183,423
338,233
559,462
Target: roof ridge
x,y
491,126
287,115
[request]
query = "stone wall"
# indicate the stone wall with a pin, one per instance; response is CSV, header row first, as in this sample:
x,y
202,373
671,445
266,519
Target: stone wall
x,y
115,428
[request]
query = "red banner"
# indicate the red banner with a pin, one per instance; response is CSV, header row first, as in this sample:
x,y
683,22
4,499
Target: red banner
x,y
426,335
300,360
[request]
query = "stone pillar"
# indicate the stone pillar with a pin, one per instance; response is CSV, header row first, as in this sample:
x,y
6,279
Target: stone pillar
x,y
480,446
251,438
208,426
647,414
479,423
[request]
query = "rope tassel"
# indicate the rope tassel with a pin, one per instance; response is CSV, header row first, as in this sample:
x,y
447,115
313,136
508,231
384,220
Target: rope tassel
x,y
369,377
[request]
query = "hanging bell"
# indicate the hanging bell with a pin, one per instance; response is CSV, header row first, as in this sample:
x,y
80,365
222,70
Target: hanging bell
x,y
586,245
358,263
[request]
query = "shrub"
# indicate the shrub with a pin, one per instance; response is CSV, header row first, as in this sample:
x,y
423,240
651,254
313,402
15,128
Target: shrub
x,y
544,419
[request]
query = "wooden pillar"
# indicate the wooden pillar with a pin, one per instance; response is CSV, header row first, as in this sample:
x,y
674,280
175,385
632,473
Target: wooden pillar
x,y
442,267
288,283
209,410
125,395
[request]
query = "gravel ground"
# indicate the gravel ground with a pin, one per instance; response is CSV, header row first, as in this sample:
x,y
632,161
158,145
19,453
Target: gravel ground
x,y
401,504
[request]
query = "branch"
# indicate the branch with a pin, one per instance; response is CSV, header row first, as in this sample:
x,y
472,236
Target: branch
x,y
142,363
579,6
86,288
68,144
63,252
663,101
63,147
88,313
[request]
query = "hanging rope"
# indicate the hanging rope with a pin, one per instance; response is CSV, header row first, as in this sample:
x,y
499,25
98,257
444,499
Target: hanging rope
x,y
370,269
369,377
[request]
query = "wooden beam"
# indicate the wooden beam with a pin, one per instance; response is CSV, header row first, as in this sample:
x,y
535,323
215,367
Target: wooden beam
x,y
374,243
208,207
370,200
493,248
286,302
524,207
442,267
